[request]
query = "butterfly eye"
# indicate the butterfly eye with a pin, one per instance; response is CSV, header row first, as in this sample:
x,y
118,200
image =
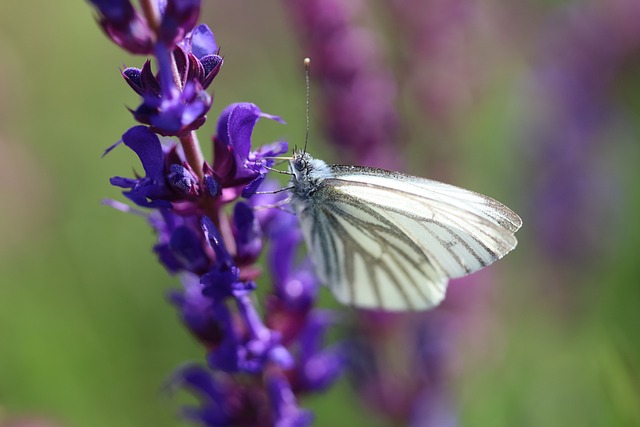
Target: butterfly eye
x,y
299,165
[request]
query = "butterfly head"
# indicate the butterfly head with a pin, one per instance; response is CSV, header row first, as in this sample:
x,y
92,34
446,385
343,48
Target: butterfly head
x,y
307,172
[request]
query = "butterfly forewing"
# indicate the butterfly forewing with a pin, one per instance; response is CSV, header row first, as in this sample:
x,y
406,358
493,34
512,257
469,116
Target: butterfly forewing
x,y
471,228
366,259
455,196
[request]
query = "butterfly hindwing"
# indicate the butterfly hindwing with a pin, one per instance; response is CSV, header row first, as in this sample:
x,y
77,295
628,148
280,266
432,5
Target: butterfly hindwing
x,y
365,259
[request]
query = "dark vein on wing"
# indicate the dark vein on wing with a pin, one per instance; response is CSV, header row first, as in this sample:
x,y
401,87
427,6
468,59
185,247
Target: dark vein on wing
x,y
388,227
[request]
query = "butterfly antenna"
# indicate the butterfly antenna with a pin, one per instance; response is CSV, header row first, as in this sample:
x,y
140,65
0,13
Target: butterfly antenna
x,y
307,64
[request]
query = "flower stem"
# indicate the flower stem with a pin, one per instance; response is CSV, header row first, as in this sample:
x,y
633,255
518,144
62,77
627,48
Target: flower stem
x,y
193,152
151,13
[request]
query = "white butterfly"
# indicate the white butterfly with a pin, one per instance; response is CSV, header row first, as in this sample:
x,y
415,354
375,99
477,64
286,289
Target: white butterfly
x,y
385,240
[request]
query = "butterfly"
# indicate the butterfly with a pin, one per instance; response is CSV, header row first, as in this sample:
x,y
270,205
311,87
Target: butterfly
x,y
385,240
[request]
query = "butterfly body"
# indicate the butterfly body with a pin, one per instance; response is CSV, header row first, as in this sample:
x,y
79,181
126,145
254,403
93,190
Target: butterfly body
x,y
384,240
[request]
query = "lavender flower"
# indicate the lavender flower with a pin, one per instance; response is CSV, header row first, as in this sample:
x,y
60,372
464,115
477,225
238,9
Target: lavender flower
x,y
172,20
357,89
437,62
576,74
257,366
174,105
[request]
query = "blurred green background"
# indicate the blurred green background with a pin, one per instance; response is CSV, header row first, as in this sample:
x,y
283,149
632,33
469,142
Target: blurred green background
x,y
86,336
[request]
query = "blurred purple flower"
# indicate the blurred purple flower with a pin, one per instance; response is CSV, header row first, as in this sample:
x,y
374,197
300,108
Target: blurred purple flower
x,y
178,18
356,87
577,72
132,32
204,318
318,367
283,403
395,384
438,53
124,26
223,402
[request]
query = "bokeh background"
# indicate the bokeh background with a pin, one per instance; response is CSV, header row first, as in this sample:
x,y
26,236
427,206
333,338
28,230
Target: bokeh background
x,y
536,103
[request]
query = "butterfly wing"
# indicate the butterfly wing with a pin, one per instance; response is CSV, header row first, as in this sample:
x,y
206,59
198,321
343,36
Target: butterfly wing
x,y
386,240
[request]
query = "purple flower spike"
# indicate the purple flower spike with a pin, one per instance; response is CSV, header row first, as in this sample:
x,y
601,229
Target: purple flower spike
x,y
286,412
124,26
210,239
150,191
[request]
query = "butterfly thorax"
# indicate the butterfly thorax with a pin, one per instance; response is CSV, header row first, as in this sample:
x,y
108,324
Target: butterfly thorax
x,y
307,174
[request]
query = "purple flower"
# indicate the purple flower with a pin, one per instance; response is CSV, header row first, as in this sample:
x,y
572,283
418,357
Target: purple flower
x,y
124,26
178,18
357,90
283,403
439,39
234,162
169,181
223,279
294,283
152,190
131,31
215,393
226,403
176,109
574,194
202,53
248,234
416,377
180,245
318,367
205,319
